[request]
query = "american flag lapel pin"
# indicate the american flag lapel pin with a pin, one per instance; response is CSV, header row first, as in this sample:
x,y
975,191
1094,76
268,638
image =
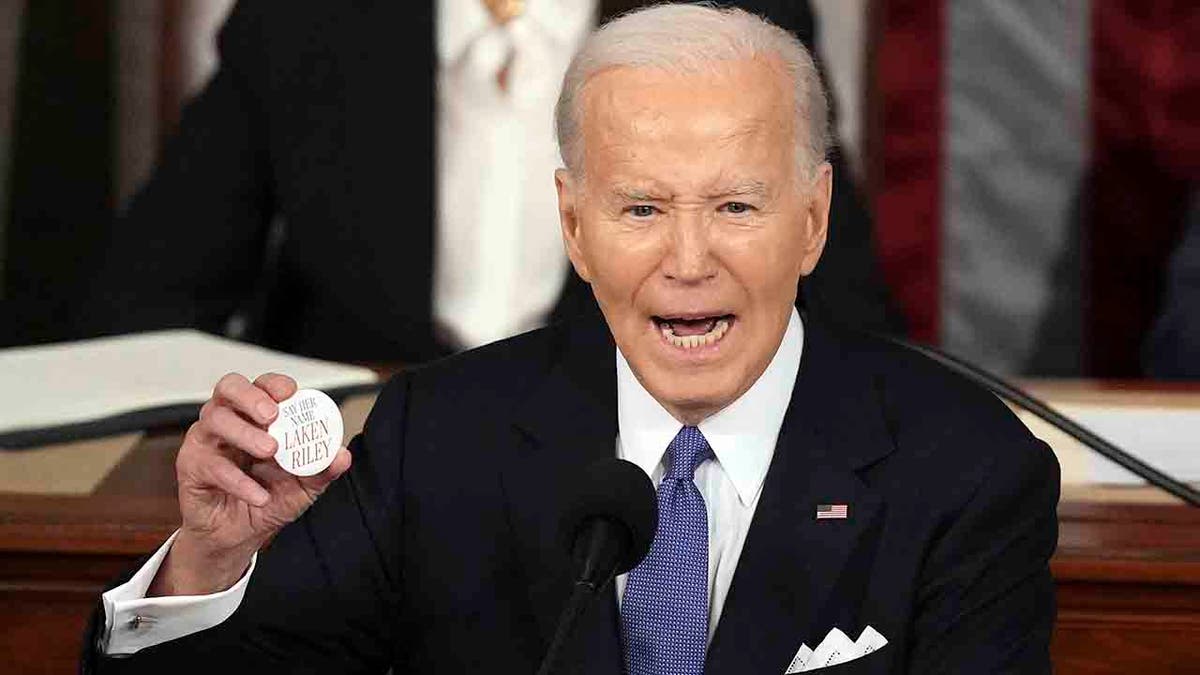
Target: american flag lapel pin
x,y
833,511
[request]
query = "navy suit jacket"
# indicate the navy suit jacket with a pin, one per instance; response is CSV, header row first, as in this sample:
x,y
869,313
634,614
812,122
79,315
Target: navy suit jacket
x,y
437,553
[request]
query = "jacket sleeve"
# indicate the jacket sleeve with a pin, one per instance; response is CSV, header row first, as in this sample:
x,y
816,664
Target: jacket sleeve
x,y
189,245
985,602
324,596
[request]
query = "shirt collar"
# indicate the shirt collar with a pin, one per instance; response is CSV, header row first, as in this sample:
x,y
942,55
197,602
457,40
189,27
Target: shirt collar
x,y
742,435
459,22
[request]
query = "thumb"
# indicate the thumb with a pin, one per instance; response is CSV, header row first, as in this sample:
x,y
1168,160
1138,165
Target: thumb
x,y
316,484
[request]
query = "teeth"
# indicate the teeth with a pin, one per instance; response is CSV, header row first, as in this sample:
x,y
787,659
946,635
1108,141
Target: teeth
x,y
693,341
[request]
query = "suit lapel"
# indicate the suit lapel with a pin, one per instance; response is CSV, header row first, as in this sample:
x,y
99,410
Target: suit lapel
x,y
568,421
797,576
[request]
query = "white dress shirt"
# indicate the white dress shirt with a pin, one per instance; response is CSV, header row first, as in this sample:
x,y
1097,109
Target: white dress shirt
x,y
133,622
742,437
499,264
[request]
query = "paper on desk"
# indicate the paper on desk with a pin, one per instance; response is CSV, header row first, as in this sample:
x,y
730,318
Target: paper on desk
x,y
77,386
1166,438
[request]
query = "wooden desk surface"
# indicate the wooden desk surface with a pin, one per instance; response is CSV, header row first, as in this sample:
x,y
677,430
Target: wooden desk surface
x,y
1127,566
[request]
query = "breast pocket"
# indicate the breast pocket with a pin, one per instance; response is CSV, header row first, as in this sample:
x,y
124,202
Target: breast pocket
x,y
878,662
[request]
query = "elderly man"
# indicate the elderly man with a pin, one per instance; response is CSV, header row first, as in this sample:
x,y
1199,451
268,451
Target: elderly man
x,y
817,484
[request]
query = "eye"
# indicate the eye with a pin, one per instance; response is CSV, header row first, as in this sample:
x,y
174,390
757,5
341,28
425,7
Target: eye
x,y
641,210
737,208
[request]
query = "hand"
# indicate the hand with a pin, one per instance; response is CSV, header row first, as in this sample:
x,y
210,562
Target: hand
x,y
233,497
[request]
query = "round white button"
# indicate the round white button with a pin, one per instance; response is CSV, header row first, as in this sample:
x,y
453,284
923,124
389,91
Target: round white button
x,y
308,431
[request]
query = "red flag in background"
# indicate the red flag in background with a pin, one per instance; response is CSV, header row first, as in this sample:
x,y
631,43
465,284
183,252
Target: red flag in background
x,y
1034,163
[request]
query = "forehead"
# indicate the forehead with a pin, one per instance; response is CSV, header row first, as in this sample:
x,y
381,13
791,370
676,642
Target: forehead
x,y
737,112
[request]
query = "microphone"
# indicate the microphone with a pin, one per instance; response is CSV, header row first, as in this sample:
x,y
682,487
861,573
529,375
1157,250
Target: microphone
x,y
1077,431
607,526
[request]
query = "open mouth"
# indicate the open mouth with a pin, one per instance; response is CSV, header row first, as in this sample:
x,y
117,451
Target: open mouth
x,y
693,332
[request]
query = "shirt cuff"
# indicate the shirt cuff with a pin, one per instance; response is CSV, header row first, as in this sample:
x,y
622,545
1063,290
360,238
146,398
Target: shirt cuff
x,y
133,622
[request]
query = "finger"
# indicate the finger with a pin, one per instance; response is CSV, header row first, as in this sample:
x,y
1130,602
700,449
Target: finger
x,y
241,395
197,434
222,473
232,429
272,476
341,464
280,387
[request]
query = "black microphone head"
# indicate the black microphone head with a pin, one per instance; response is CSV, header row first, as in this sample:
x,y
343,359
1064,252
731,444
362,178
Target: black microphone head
x,y
616,491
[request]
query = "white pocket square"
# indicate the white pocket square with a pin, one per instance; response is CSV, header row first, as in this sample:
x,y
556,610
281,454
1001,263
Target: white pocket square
x,y
834,649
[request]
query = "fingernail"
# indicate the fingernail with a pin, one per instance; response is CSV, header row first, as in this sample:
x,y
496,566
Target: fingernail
x,y
266,444
266,410
262,498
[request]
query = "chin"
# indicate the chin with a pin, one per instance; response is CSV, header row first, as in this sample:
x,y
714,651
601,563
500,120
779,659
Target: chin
x,y
694,393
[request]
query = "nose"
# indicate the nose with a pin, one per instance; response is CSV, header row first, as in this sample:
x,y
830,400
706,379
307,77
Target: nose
x,y
689,258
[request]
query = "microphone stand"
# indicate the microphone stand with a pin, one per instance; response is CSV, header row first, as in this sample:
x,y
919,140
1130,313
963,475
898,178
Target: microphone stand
x,y
1077,431
581,596
598,550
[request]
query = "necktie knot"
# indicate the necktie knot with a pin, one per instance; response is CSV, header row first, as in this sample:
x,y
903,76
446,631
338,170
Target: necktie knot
x,y
685,453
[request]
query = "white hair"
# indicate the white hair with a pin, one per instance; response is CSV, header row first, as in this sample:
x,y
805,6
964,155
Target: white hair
x,y
685,38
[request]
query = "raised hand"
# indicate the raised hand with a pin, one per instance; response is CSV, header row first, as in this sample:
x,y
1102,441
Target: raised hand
x,y
233,497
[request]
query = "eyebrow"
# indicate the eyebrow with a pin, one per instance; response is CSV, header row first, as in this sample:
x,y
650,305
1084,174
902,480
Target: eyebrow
x,y
754,188
636,194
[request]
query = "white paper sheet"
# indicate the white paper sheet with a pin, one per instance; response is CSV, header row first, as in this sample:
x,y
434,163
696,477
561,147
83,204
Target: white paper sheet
x,y
1166,438
73,382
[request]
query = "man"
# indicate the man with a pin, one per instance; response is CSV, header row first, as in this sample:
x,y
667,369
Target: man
x,y
370,181
807,481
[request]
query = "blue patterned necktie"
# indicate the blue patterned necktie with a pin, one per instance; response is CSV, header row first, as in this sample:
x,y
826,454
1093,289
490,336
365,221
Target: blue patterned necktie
x,y
664,612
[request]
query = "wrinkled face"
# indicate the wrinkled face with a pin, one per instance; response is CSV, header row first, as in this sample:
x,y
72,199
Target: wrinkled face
x,y
693,222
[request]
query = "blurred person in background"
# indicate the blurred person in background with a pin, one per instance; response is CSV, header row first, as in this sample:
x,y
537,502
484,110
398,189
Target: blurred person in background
x,y
1173,349
366,182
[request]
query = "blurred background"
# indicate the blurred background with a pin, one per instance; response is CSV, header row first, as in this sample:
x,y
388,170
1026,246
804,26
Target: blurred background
x,y
1031,166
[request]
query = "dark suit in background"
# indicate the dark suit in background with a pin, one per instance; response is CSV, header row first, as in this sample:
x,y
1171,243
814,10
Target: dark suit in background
x,y
1173,349
437,552
320,120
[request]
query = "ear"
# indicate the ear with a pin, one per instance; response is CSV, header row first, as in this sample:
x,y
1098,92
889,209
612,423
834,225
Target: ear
x,y
569,193
816,226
